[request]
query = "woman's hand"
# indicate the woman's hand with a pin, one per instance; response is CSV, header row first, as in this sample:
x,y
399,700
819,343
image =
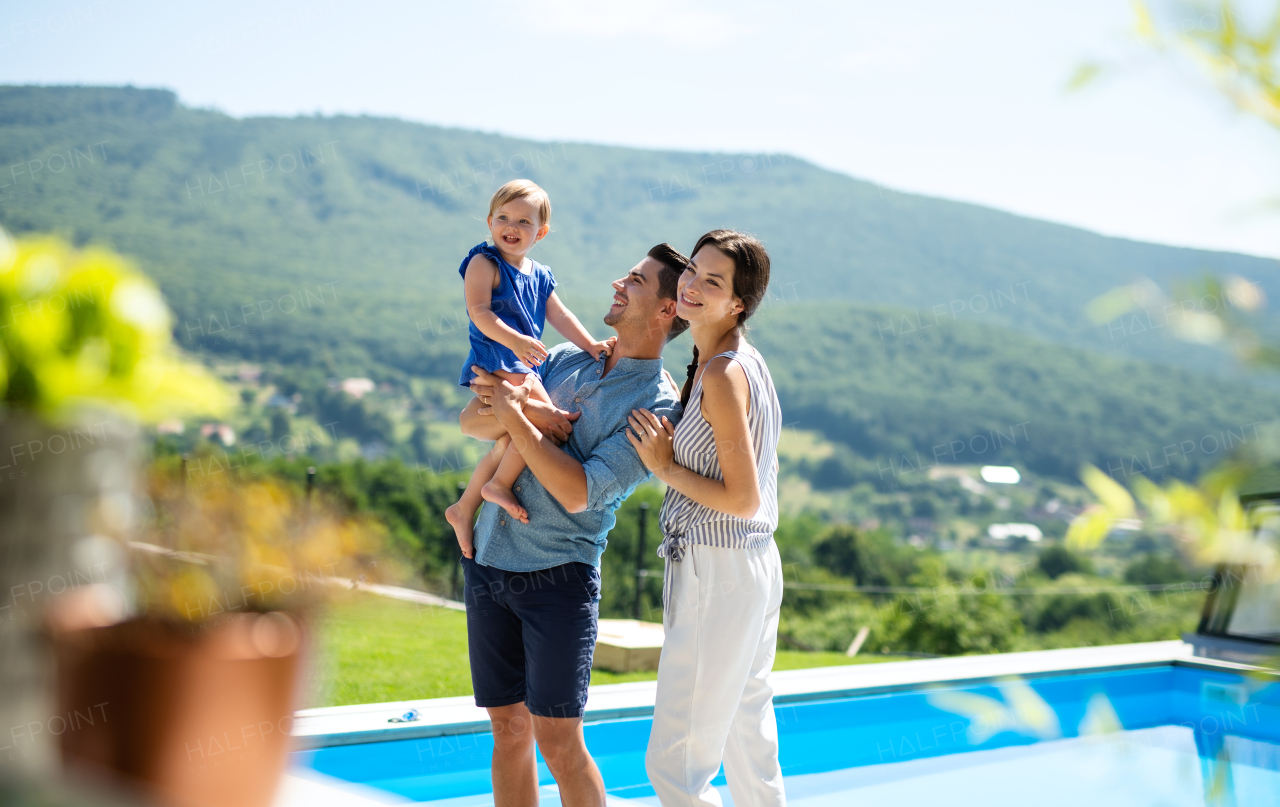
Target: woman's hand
x,y
653,440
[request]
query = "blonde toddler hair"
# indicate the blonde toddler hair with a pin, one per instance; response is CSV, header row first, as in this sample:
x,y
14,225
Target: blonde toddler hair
x,y
523,189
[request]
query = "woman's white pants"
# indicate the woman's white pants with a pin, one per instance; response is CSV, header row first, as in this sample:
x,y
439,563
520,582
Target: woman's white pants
x,y
714,700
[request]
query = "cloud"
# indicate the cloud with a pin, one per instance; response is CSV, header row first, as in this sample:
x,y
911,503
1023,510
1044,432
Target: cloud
x,y
875,57
657,18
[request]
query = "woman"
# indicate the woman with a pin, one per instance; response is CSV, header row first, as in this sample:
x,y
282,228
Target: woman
x,y
723,586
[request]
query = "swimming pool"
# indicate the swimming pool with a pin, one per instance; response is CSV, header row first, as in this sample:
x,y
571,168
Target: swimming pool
x,y
1171,734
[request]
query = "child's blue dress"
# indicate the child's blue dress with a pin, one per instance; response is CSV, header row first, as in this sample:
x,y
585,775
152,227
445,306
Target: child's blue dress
x,y
520,300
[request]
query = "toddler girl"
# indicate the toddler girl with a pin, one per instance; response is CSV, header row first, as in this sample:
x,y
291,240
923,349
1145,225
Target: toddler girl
x,y
509,298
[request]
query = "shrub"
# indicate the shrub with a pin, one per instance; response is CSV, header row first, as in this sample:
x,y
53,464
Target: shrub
x,y
835,629
1060,609
1154,570
950,621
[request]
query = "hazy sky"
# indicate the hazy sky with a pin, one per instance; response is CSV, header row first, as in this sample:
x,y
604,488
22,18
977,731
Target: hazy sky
x,y
963,100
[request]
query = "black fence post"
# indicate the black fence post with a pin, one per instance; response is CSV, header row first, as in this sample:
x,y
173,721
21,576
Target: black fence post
x,y
644,520
457,562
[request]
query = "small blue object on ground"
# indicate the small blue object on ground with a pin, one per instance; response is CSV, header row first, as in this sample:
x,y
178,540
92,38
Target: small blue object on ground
x,y
408,717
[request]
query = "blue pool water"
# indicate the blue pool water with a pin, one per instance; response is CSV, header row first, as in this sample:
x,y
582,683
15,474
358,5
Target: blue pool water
x,y
1166,735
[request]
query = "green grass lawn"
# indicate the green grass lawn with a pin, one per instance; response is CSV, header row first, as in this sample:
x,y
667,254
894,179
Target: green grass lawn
x,y
373,649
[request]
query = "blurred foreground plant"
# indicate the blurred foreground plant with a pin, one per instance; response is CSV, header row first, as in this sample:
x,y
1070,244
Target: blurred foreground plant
x,y
1238,51
1240,54
245,546
84,328
1208,311
1020,709
1207,519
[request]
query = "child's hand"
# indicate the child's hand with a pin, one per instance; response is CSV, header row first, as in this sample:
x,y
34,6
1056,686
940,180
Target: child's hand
x,y
528,350
597,349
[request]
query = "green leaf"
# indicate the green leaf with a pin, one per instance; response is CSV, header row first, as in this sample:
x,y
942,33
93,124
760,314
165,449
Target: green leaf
x,y
1084,75
1089,528
1109,305
1110,493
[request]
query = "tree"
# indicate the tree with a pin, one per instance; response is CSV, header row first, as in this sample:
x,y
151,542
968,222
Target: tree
x,y
870,558
1056,561
618,564
1154,570
1104,609
418,442
280,426
950,622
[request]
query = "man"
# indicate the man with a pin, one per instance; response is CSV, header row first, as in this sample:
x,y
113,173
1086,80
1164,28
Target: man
x,y
532,590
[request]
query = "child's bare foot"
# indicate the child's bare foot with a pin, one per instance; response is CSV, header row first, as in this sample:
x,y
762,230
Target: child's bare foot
x,y
463,527
504,498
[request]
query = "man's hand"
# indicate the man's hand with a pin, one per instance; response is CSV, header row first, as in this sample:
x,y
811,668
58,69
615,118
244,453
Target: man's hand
x,y
502,398
556,424
486,386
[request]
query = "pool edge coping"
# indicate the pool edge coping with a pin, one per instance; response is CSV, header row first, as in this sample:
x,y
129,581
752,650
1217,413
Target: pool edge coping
x,y
1148,654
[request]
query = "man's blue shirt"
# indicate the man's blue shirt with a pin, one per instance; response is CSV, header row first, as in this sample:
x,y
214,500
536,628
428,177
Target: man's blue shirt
x,y
553,535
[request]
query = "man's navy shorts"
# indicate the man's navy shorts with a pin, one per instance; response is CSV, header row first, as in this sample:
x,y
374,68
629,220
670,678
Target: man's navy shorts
x,y
532,635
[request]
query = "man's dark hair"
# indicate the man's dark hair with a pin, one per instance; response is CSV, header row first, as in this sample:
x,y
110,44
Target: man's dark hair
x,y
673,265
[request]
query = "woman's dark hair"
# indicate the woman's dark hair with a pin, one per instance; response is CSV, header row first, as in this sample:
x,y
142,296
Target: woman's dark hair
x,y
750,280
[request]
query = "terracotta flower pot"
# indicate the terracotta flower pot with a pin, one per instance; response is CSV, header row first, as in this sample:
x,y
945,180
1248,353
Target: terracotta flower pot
x,y
192,714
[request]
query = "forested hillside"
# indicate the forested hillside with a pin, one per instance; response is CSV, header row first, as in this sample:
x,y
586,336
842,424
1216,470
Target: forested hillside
x,y
967,393
331,245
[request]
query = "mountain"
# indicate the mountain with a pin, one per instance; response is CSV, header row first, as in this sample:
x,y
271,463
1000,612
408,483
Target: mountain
x,y
333,243
971,393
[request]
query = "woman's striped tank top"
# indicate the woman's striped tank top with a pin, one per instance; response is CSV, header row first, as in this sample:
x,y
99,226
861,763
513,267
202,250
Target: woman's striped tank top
x,y
683,520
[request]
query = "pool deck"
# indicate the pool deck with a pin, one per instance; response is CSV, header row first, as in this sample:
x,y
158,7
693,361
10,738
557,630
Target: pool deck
x,y
363,723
